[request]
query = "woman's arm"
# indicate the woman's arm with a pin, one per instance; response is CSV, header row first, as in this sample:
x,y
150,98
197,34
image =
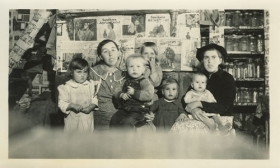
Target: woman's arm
x,y
155,74
226,99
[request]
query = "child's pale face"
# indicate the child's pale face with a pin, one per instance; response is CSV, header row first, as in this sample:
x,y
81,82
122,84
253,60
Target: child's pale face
x,y
135,68
80,76
109,53
199,83
148,53
170,91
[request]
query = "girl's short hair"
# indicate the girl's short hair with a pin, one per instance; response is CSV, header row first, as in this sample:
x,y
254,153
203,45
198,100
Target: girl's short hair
x,y
151,45
102,43
198,74
136,56
77,63
168,81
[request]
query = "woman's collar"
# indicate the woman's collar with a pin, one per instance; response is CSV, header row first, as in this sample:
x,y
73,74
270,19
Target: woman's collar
x,y
103,74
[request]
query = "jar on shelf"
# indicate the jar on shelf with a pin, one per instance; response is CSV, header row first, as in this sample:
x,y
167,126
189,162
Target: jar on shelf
x,y
252,45
204,41
250,19
238,95
229,45
236,19
250,68
257,68
246,19
245,71
250,91
246,95
241,92
241,19
237,70
244,43
255,19
260,43
241,71
235,42
255,95
261,18
230,69
228,19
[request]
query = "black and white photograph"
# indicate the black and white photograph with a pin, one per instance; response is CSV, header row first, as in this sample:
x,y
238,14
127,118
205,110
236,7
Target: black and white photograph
x,y
115,86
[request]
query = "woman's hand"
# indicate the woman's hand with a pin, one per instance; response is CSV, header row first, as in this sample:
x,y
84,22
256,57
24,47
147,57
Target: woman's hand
x,y
193,105
152,64
182,117
88,109
150,116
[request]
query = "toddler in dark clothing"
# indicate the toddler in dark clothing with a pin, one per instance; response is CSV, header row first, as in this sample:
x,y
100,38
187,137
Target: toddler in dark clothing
x,y
168,109
136,96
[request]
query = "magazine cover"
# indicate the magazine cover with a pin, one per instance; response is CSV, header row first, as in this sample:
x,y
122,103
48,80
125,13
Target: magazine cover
x,y
216,35
210,17
73,49
188,55
85,29
133,26
140,41
109,27
157,25
170,54
188,26
127,47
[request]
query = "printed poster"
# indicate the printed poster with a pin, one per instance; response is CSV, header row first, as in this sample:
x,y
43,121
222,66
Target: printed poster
x,y
127,47
216,35
73,49
133,26
188,55
170,54
157,25
109,27
85,29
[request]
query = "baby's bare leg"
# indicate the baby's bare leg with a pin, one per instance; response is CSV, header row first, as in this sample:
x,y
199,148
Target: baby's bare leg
x,y
223,128
208,122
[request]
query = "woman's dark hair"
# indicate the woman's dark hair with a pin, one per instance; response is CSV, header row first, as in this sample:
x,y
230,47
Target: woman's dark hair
x,y
102,43
77,63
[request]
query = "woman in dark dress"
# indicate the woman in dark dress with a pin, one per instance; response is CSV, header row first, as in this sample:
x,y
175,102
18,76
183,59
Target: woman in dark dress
x,y
220,83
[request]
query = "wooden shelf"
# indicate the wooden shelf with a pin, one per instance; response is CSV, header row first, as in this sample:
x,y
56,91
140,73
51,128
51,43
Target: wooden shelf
x,y
245,104
250,79
245,52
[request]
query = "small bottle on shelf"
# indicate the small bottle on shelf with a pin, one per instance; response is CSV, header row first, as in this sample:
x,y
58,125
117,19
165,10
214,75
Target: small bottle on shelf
x,y
237,70
260,43
244,43
242,99
241,70
246,96
255,19
204,41
255,95
235,43
257,69
252,44
250,68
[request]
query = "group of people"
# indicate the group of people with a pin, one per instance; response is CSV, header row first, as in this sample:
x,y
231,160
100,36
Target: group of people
x,y
105,98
